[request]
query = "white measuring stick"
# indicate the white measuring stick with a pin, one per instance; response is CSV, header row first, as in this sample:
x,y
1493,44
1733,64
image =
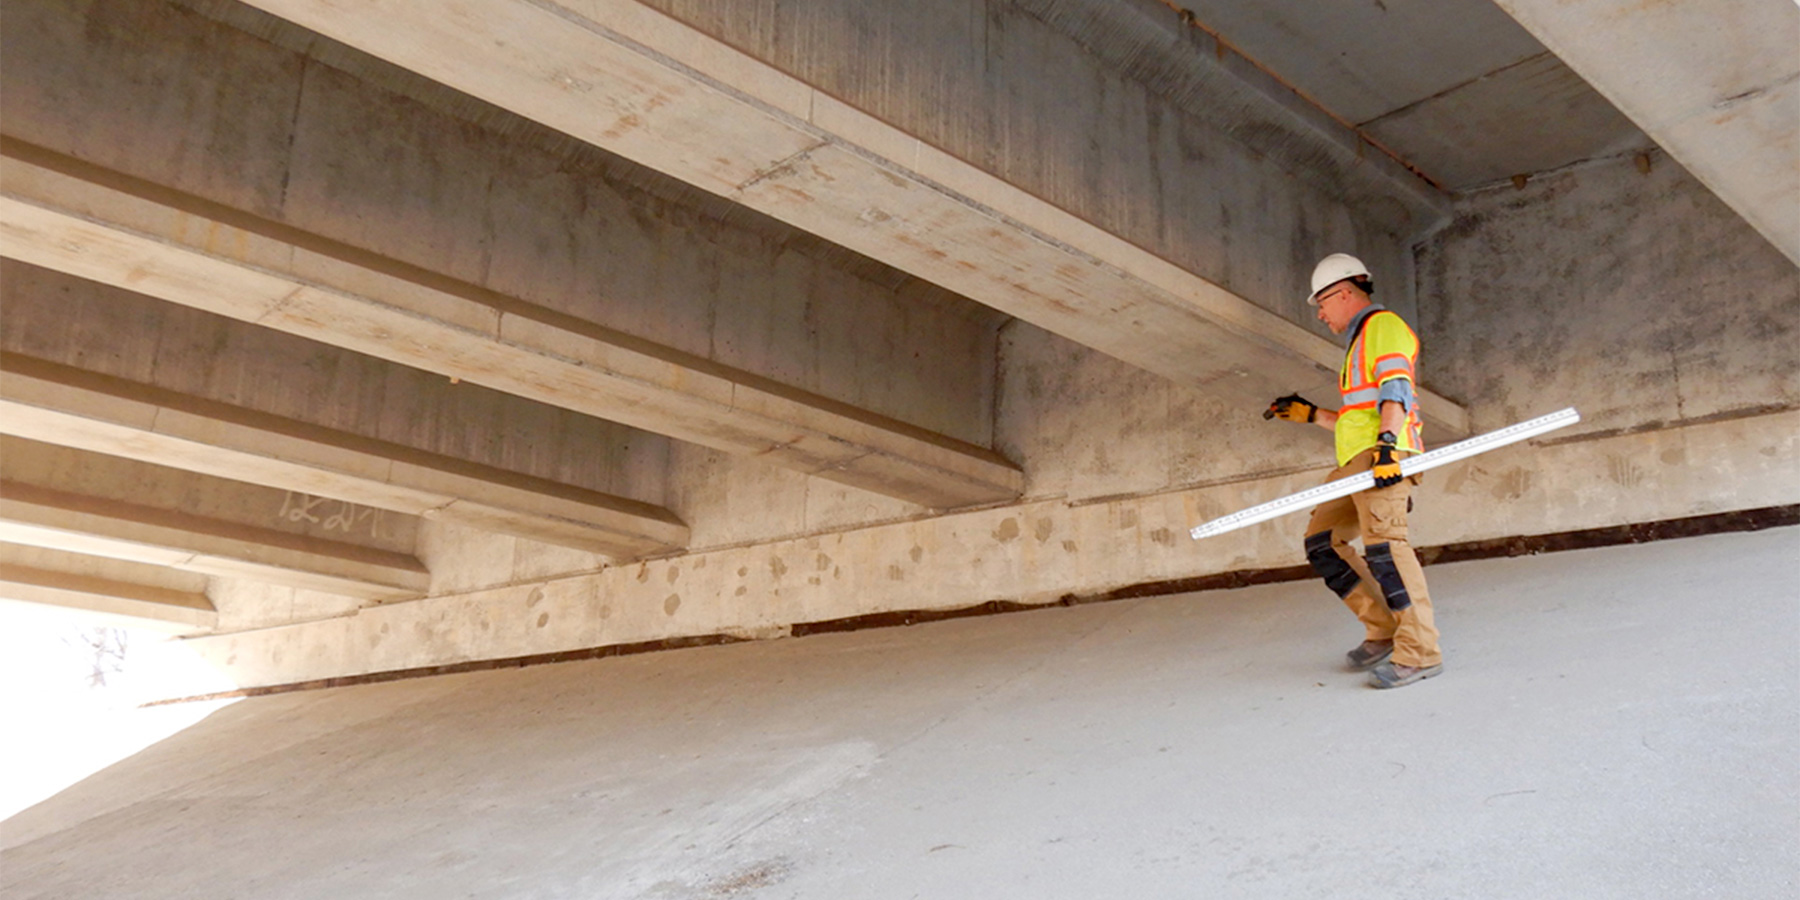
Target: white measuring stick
x,y
1412,465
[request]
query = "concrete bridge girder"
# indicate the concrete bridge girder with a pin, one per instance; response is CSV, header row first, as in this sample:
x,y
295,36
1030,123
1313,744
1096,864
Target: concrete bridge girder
x,y
71,217
79,502
630,80
59,404
116,592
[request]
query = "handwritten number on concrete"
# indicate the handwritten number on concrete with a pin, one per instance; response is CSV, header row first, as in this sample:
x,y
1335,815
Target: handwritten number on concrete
x,y
345,517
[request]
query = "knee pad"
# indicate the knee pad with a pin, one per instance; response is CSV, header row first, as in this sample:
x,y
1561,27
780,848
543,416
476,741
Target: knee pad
x,y
1381,565
1337,574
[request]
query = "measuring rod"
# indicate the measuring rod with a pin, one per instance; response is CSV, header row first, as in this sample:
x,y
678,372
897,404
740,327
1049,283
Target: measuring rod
x,y
1412,465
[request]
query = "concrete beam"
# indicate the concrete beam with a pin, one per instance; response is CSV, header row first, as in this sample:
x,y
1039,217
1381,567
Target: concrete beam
x,y
73,501
138,597
62,214
1717,85
58,404
626,78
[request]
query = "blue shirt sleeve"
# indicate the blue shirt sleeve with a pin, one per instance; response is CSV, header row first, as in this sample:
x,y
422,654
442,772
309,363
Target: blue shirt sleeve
x,y
1399,390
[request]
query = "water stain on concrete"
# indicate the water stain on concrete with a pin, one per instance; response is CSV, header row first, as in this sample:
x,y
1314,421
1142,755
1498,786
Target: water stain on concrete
x,y
895,573
1458,478
777,567
1008,530
672,604
606,612
1163,536
917,553
741,591
751,878
674,573
534,598
643,573
1128,518
1674,456
743,570
1043,529
823,562
1513,485
1069,546
543,619
1624,472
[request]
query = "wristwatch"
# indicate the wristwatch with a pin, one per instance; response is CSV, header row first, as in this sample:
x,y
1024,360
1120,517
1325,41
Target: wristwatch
x,y
1386,437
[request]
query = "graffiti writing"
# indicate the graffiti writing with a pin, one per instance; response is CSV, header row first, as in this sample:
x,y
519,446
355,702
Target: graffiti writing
x,y
329,514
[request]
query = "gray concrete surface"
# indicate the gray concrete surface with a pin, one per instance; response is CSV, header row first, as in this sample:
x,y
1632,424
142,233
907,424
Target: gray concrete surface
x,y
1614,723
1637,297
1102,130
1716,84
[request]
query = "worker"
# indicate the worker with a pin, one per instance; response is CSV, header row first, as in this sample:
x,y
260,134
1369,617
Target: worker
x,y
1376,425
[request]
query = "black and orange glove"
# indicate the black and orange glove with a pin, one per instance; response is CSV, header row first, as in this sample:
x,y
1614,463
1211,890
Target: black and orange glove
x,y
1387,469
1293,408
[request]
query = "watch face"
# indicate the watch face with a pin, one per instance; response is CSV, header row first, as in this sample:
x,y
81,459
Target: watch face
x,y
1386,437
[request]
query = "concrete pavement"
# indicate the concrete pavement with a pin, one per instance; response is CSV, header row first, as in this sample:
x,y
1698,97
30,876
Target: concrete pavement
x,y
1612,723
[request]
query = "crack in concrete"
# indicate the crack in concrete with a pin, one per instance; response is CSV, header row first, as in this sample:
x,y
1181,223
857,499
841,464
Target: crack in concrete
x,y
1398,110
1755,92
781,167
281,304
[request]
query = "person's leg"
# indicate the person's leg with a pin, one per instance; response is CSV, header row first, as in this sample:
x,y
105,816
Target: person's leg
x,y
1395,569
1334,524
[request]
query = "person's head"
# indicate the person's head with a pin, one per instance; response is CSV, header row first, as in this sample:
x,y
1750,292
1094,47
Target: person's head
x,y
1341,288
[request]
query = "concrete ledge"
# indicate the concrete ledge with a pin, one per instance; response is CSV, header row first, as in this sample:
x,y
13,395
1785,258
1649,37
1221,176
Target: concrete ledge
x,y
60,404
628,79
1029,554
66,215
1636,533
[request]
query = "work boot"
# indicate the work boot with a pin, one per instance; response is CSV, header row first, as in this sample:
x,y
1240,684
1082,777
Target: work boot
x,y
1369,653
1393,675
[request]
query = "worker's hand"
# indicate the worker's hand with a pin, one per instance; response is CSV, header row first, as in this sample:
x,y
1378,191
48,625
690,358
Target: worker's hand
x,y
1387,469
1293,408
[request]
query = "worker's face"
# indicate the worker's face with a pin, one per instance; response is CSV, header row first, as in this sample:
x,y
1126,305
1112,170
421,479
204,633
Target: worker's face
x,y
1339,304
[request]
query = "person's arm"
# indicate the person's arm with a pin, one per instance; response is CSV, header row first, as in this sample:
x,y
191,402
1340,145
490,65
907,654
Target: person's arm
x,y
1393,416
1295,408
1387,466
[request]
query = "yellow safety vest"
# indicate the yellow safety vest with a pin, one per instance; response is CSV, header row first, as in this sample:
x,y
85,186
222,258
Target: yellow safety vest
x,y
1384,349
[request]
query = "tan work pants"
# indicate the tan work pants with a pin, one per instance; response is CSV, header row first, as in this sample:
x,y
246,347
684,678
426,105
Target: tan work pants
x,y
1379,515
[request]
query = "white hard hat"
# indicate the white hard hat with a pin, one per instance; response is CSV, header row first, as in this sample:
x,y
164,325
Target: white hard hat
x,y
1333,269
